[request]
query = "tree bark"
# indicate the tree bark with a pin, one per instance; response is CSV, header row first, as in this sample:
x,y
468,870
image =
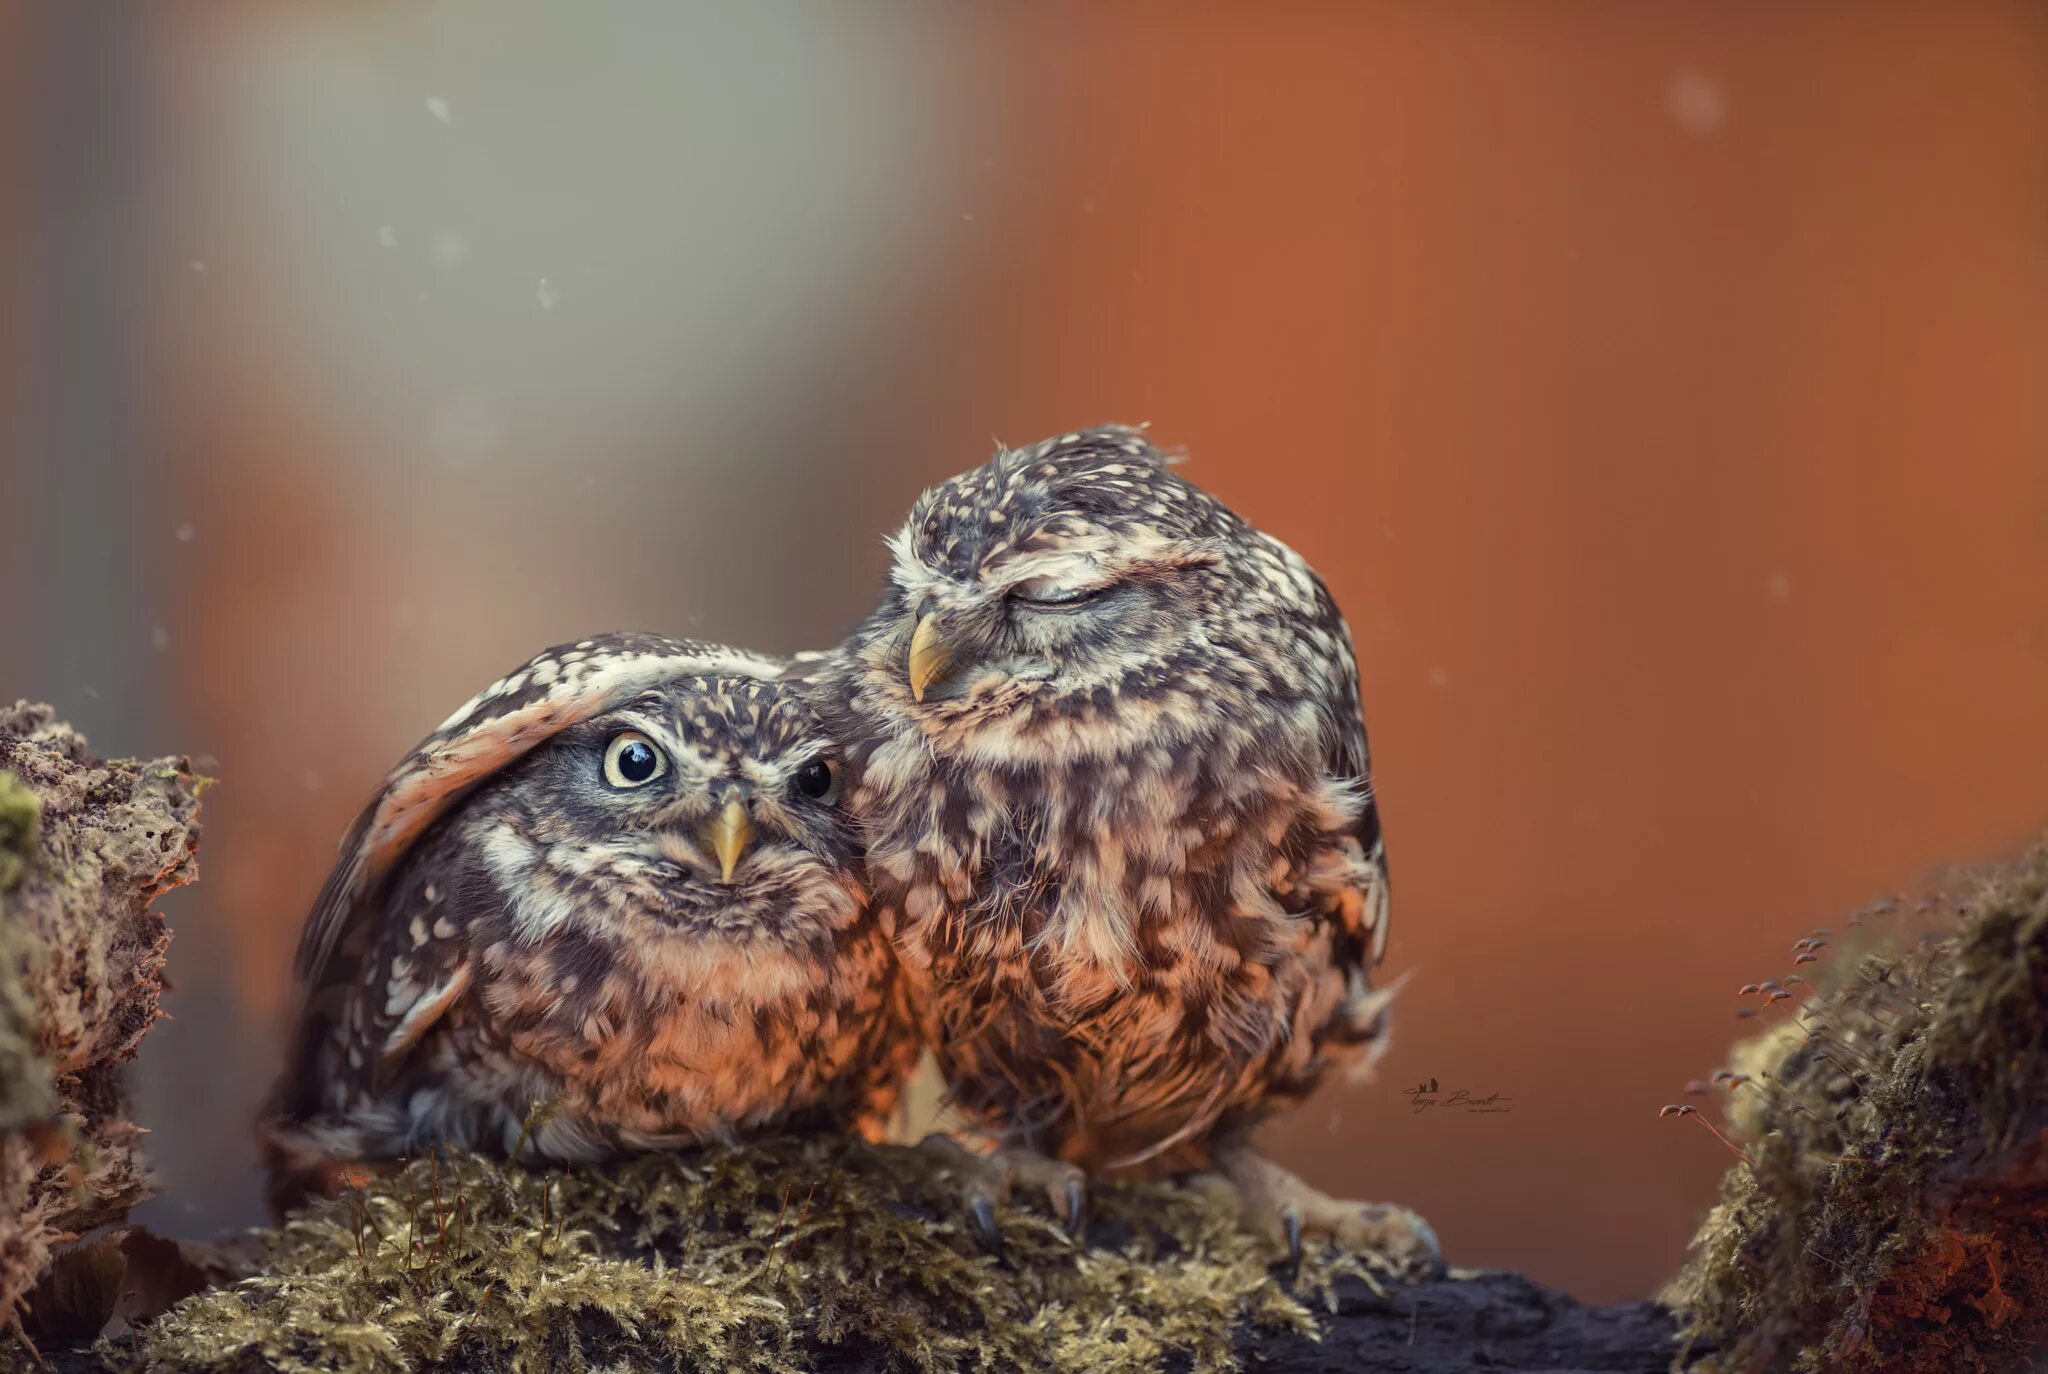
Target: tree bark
x,y
1490,1320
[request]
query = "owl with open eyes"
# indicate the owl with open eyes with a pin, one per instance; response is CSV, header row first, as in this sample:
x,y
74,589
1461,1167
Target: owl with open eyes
x,y
1112,767
622,882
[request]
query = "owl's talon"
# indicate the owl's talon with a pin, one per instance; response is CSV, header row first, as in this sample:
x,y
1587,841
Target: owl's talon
x,y
988,1180
1282,1207
1076,1193
981,1214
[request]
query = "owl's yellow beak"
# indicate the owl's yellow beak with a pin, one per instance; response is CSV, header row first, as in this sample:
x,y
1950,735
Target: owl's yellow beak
x,y
930,656
727,835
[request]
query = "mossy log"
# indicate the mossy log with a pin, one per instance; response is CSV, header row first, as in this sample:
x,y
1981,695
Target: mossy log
x,y
830,1254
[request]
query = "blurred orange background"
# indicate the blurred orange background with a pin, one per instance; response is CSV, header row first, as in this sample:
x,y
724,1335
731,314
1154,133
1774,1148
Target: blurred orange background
x,y
1660,390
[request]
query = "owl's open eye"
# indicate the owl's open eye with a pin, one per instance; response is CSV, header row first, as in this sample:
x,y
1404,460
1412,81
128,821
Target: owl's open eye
x,y
631,760
818,780
1048,593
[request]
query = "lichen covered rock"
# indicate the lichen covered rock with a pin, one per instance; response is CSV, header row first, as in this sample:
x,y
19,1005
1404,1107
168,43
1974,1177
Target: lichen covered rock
x,y
85,847
1893,1210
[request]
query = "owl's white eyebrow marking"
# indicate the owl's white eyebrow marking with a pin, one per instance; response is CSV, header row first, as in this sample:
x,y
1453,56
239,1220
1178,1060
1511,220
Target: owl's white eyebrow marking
x,y
775,769
1071,567
907,569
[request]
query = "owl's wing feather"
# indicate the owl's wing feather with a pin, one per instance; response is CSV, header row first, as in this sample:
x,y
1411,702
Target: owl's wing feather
x,y
1347,871
1351,763
1377,908
550,692
429,1005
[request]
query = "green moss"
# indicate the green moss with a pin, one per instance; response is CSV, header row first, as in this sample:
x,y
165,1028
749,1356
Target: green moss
x,y
767,1257
1893,1212
25,1093
21,828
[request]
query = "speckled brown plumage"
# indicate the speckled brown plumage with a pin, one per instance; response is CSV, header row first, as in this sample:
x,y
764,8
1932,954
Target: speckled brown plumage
x,y
515,920
1127,837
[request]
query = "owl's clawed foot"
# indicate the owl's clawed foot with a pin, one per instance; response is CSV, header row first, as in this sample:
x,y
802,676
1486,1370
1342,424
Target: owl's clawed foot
x,y
989,1178
1284,1209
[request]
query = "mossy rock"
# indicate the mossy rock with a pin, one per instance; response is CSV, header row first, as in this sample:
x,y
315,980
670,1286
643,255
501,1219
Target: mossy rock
x,y
1893,1210
21,826
86,847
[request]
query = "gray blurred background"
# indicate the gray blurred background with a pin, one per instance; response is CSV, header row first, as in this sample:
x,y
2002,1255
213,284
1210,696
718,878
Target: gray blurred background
x,y
1659,390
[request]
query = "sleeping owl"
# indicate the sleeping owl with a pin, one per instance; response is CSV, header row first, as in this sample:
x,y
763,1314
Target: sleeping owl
x,y
1113,770
621,881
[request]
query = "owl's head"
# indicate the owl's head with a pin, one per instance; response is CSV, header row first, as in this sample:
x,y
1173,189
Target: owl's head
x,y
673,778
1078,597
702,806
